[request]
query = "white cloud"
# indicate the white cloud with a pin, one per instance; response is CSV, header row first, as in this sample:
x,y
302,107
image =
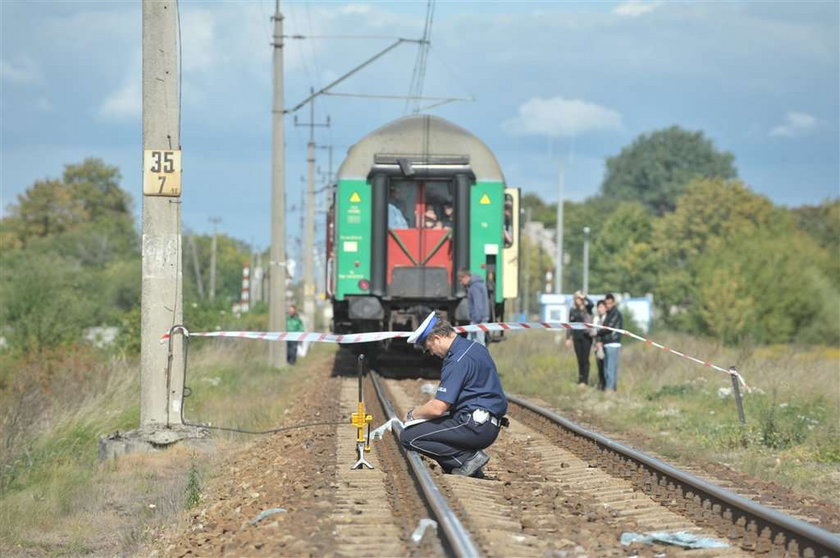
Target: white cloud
x,y
796,124
356,9
25,71
635,8
558,117
199,37
125,103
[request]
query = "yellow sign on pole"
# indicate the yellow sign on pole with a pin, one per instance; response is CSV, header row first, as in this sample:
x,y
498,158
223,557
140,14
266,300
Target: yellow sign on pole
x,y
162,172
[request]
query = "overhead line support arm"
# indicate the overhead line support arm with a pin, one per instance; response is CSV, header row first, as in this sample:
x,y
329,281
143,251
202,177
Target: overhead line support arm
x,y
367,62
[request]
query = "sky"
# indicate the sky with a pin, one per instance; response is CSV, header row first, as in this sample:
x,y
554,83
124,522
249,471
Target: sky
x,y
555,85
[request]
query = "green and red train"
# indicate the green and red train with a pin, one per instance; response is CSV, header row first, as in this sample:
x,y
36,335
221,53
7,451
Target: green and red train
x,y
416,200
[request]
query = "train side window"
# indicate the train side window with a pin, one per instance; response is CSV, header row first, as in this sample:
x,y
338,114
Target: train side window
x,y
508,221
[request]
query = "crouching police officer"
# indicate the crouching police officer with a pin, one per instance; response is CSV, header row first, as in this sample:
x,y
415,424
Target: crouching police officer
x,y
469,406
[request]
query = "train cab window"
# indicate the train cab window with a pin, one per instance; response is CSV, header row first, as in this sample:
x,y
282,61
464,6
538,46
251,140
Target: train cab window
x,y
439,211
420,204
402,197
507,224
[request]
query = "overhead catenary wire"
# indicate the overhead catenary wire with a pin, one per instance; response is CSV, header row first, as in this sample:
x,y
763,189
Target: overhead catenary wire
x,y
418,76
311,46
300,37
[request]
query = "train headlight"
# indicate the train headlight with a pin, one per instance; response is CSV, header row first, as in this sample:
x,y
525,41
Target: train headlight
x,y
364,284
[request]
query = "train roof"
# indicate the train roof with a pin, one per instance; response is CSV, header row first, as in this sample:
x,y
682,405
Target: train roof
x,y
421,137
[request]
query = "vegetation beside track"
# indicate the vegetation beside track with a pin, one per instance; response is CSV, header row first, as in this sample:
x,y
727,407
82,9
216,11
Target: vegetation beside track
x,y
686,411
56,498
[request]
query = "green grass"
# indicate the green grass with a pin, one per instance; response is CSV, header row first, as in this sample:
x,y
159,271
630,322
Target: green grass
x,y
687,410
57,499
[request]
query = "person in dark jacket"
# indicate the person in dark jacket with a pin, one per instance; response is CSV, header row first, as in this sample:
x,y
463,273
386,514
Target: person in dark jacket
x,y
611,341
477,300
581,312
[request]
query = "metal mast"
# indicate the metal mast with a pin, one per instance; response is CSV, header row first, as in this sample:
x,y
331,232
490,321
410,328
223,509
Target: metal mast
x,y
558,266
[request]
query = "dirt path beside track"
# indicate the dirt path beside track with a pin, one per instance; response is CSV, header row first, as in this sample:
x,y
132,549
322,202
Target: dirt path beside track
x,y
293,470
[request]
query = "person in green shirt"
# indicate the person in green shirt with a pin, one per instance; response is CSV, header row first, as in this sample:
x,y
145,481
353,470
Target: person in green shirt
x,y
293,323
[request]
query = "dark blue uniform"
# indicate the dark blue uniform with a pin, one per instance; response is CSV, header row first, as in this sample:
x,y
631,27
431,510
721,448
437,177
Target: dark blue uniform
x,y
468,382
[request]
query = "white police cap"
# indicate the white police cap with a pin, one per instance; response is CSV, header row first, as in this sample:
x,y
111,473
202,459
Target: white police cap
x,y
419,335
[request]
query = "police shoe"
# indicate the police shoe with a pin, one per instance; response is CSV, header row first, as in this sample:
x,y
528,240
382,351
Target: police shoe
x,y
472,465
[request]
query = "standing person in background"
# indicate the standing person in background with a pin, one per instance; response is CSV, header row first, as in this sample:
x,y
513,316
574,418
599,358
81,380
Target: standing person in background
x,y
581,312
448,218
293,323
396,215
611,341
600,313
477,300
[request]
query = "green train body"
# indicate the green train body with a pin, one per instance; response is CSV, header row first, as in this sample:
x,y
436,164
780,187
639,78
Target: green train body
x,y
415,201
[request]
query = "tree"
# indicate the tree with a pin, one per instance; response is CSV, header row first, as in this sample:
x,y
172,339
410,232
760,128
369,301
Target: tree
x,y
592,213
822,223
87,203
622,255
657,167
710,214
69,258
48,207
97,187
540,211
765,287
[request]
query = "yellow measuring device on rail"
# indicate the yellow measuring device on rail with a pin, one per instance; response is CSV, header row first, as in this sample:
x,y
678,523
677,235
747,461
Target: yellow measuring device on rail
x,y
360,419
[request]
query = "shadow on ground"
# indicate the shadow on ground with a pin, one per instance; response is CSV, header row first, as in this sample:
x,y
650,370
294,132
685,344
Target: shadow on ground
x,y
394,362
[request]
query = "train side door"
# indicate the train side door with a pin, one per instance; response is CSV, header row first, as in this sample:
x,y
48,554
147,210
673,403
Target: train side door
x,y
510,247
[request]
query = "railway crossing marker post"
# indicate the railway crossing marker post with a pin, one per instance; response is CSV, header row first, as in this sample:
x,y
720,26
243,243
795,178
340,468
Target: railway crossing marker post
x,y
736,391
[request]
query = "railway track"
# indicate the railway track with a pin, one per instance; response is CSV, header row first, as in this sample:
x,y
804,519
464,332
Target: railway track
x,y
555,489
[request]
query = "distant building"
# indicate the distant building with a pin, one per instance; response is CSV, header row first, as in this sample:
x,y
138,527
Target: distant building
x,y
537,234
555,307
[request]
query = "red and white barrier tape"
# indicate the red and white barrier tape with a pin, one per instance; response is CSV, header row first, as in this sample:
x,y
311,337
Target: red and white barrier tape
x,y
350,338
518,326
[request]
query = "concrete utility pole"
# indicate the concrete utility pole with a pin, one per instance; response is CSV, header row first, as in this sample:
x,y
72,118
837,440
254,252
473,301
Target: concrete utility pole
x,y
213,247
309,237
558,266
161,292
309,222
277,265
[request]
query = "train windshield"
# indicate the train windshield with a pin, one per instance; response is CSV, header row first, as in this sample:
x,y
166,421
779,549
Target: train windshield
x,y
420,204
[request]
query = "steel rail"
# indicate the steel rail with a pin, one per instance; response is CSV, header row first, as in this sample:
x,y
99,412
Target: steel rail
x,y
827,543
456,534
